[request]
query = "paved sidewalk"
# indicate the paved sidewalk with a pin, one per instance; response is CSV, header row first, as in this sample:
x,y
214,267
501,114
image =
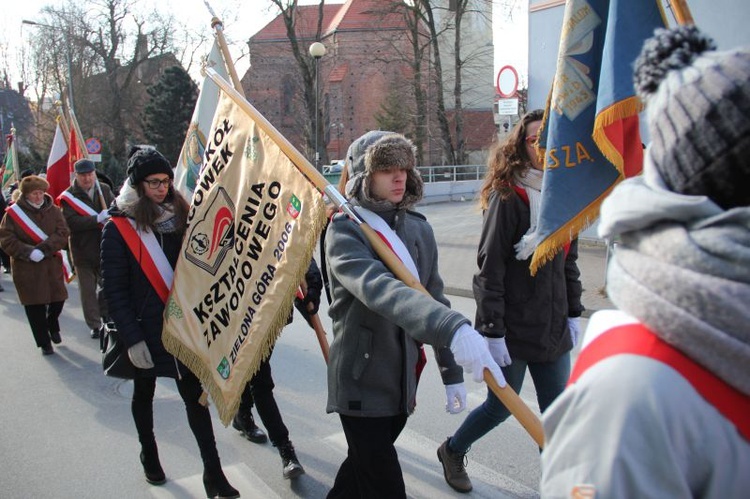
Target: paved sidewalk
x,y
457,227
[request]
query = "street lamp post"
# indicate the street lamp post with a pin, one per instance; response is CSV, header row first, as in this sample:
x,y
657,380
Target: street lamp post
x,y
67,55
317,50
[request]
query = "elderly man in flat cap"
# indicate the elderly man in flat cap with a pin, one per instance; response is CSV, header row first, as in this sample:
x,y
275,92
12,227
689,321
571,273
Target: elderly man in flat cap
x,y
84,205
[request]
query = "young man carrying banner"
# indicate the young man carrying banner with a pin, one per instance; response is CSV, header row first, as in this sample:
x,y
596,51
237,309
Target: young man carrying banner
x,y
379,322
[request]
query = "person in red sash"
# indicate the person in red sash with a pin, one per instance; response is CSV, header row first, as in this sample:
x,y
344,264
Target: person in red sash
x,y
84,205
379,323
32,232
530,322
140,246
658,404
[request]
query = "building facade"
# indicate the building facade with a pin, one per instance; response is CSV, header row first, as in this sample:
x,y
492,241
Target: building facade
x,y
367,73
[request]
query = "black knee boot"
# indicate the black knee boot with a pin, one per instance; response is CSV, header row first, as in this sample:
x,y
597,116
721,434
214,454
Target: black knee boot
x,y
199,420
151,465
216,484
143,415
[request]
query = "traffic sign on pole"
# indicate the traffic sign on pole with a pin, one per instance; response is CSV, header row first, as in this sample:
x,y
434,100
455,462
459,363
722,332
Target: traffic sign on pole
x,y
93,145
507,82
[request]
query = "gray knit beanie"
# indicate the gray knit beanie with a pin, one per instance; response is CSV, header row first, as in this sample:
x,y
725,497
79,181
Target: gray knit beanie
x,y
698,110
381,150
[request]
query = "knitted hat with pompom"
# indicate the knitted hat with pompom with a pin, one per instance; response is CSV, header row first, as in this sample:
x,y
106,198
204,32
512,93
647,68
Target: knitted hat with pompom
x,y
698,110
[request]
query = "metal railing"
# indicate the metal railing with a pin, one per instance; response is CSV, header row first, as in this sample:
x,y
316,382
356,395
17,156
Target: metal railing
x,y
452,173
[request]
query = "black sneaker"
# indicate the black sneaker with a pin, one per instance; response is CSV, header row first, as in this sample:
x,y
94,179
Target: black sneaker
x,y
292,468
55,337
47,350
454,469
245,424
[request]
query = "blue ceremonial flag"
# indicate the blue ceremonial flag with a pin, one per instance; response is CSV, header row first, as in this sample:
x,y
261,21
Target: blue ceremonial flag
x,y
590,133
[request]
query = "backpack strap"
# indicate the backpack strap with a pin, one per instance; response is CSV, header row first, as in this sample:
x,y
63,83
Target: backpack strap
x,y
636,339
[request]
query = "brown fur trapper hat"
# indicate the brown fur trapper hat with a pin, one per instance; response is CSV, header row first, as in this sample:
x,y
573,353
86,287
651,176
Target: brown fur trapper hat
x,y
32,183
381,150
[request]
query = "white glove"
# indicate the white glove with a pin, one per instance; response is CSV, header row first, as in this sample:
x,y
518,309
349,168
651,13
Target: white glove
x,y
102,216
455,398
140,356
499,351
575,329
36,255
470,351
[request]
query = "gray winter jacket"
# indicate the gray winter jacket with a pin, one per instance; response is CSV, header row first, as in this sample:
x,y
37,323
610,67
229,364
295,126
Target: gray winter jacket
x,y
378,320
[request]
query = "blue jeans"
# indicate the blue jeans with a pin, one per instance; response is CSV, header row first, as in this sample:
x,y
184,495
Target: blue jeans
x,y
549,380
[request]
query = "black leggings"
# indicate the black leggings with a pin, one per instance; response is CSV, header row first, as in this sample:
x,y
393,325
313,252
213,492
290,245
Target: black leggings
x,y
260,390
199,417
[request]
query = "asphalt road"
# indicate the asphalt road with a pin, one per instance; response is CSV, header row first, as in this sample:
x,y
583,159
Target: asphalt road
x,y
67,431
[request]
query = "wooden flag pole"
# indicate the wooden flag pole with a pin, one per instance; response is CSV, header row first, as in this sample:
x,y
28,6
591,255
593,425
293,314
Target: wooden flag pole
x,y
218,27
507,396
682,12
320,333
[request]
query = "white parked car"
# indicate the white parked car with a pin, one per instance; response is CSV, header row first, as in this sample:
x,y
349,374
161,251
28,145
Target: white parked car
x,y
335,167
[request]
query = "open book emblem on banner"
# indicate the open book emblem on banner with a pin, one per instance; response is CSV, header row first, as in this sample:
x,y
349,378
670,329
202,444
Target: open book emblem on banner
x,y
212,236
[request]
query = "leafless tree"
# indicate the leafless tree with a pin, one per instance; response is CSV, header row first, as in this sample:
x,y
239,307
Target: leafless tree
x,y
106,43
306,68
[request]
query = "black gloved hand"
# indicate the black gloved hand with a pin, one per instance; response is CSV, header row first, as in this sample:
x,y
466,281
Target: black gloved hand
x,y
312,297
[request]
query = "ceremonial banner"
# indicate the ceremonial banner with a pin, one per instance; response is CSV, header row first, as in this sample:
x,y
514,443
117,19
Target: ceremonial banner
x,y
189,164
590,134
254,222
58,167
9,172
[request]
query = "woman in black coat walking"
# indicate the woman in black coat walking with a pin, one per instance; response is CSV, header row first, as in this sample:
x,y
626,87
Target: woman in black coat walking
x,y
140,246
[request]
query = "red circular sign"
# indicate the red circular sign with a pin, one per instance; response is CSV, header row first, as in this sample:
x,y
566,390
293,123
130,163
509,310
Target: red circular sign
x,y
507,82
93,146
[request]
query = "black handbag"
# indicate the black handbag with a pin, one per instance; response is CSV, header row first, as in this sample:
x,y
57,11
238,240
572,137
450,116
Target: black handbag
x,y
115,360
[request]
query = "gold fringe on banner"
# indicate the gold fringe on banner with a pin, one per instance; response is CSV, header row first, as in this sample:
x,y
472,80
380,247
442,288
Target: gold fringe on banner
x,y
548,248
193,362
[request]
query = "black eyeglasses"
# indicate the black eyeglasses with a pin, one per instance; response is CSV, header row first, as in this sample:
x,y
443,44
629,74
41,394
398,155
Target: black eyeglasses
x,y
155,183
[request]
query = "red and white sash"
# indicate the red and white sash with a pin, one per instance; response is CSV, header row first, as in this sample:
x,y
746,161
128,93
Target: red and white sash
x,y
38,235
633,338
153,261
390,237
79,206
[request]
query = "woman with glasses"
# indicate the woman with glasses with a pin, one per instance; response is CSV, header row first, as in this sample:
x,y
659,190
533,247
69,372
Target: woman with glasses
x,y
140,246
530,322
